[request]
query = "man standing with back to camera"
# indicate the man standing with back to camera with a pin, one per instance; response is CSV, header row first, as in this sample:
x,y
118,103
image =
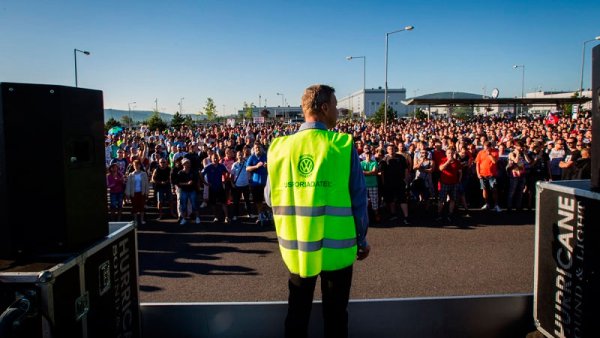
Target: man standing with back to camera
x,y
317,192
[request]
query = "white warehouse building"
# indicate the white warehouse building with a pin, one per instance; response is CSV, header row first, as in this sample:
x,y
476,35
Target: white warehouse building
x,y
364,103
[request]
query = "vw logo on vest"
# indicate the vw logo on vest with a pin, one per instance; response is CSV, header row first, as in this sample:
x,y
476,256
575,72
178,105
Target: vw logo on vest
x,y
306,165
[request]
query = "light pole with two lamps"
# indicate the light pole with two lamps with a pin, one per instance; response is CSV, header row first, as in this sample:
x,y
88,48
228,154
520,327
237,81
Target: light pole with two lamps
x,y
282,98
75,50
129,108
364,78
583,61
181,105
385,96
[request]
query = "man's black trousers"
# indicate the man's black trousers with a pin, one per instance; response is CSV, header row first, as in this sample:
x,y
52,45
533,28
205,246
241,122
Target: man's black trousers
x,y
335,288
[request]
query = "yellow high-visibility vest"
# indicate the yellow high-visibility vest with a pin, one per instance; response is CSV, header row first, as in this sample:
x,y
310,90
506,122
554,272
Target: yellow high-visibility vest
x,y
309,173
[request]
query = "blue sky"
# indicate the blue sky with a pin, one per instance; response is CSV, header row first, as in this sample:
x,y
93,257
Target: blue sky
x,y
234,51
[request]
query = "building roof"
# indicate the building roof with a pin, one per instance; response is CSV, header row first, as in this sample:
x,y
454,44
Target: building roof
x,y
424,101
449,95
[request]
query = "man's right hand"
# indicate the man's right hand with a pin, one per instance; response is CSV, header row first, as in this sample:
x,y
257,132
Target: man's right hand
x,y
363,252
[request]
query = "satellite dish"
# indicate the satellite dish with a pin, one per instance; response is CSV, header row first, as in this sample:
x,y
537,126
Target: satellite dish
x,y
495,93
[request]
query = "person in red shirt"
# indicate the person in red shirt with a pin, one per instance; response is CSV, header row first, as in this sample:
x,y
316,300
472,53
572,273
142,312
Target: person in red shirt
x,y
552,118
450,176
437,155
485,165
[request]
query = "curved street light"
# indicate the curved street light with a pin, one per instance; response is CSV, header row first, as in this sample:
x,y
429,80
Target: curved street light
x,y
583,61
522,79
75,50
385,96
282,99
522,85
349,58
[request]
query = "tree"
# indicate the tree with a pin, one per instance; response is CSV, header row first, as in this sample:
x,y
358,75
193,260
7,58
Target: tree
x,y
126,121
567,109
188,121
199,116
420,114
265,113
177,120
462,113
210,109
156,122
248,110
111,123
378,116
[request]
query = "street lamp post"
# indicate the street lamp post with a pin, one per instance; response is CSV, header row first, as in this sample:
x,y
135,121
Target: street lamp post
x,y
282,98
522,84
582,62
181,105
415,107
129,108
75,50
385,96
522,79
282,105
364,77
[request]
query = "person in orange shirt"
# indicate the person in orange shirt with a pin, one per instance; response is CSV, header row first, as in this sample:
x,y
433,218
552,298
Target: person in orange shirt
x,y
485,165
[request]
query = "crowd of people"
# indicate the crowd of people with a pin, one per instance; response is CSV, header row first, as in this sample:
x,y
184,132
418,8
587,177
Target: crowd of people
x,y
443,165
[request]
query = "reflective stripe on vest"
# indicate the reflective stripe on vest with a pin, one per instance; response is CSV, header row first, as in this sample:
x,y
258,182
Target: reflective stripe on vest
x,y
317,245
311,211
309,173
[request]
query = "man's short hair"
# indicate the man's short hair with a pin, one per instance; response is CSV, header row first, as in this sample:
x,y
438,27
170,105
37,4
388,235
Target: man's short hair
x,y
314,96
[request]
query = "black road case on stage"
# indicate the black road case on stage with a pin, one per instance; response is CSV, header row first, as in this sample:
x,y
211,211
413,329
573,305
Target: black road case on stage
x,y
566,281
90,294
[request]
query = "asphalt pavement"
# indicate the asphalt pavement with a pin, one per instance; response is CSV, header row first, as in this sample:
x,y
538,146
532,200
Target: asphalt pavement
x,y
486,254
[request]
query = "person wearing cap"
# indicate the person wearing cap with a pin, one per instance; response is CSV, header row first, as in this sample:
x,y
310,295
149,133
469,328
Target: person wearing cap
x,y
187,182
549,145
370,170
317,191
256,165
213,175
107,152
180,151
121,162
487,172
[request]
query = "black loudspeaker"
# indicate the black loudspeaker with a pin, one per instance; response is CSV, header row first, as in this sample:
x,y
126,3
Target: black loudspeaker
x,y
595,154
52,175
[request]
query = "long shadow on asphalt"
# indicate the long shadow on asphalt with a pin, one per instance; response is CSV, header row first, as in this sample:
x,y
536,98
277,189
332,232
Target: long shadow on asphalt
x,y
477,219
168,249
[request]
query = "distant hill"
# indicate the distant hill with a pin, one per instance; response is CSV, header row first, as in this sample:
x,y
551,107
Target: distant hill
x,y
142,115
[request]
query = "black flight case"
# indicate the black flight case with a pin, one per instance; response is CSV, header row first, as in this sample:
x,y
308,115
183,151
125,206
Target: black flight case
x,y
567,262
93,293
